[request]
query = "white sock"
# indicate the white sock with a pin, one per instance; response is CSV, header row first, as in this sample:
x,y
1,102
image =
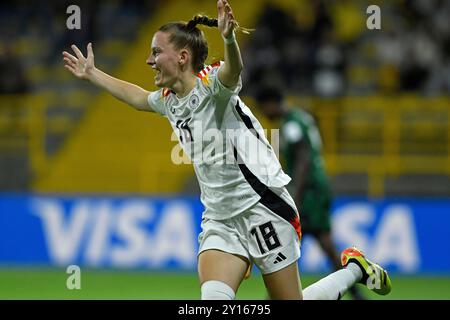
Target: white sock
x,y
353,267
216,290
333,286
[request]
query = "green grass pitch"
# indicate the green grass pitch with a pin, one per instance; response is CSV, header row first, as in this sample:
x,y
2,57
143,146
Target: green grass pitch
x,y
32,283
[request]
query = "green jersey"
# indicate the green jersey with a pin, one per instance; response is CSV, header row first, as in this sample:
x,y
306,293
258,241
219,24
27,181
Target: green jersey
x,y
298,125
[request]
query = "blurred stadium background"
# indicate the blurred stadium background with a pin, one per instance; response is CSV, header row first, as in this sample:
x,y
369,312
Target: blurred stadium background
x,y
86,180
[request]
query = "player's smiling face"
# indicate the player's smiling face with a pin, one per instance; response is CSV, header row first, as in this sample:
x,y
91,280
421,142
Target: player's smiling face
x,y
164,60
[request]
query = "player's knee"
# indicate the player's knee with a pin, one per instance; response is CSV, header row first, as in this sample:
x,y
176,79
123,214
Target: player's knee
x,y
216,290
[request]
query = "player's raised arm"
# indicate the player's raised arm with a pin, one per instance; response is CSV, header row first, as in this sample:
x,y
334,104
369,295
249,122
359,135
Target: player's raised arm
x,y
84,68
230,71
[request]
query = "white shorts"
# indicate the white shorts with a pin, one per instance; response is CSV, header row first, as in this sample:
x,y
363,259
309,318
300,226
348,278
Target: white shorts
x,y
268,234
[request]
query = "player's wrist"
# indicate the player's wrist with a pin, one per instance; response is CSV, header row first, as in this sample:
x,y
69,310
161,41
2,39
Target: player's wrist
x,y
92,74
231,38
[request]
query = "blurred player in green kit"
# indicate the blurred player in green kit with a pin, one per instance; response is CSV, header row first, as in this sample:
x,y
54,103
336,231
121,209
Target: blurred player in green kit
x,y
301,147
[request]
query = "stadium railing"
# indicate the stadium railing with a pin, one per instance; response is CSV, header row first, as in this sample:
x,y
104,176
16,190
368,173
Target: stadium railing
x,y
376,136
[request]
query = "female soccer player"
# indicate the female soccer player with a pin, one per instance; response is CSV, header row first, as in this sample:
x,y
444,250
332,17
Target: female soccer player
x,y
249,216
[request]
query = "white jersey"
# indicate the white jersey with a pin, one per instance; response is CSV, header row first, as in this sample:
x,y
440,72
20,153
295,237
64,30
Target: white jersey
x,y
232,158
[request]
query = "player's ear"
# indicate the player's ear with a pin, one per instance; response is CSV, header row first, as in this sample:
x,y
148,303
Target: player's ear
x,y
184,57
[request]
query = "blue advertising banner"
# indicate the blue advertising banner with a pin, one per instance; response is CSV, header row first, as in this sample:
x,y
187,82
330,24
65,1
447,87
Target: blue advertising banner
x,y
123,232
405,235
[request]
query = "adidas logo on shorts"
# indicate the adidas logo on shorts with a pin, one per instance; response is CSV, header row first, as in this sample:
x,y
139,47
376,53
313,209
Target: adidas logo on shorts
x,y
280,257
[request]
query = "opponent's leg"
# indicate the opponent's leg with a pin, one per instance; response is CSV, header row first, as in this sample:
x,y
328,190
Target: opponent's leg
x,y
284,284
327,245
220,274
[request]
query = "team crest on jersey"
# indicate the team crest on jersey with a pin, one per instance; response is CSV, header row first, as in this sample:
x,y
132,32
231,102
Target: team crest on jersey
x,y
194,100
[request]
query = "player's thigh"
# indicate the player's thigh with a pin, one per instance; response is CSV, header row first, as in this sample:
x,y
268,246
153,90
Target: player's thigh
x,y
273,234
284,284
218,265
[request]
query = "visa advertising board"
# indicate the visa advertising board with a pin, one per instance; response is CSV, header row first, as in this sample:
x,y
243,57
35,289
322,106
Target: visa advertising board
x,y
404,235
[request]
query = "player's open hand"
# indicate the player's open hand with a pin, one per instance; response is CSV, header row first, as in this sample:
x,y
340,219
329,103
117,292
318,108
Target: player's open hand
x,y
80,66
225,19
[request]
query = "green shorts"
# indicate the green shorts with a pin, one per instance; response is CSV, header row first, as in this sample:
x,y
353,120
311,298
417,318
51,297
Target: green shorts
x,y
315,212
